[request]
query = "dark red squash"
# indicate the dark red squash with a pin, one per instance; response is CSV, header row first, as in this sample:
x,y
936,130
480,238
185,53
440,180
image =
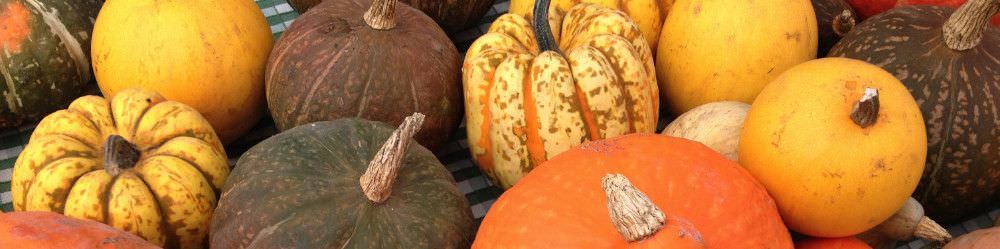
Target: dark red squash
x,y
949,61
835,18
44,56
44,230
452,15
344,59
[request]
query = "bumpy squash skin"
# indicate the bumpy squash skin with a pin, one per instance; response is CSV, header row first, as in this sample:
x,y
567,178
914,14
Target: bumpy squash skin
x,y
44,56
330,64
524,106
958,95
648,15
714,50
46,230
300,189
829,176
452,15
561,204
203,53
716,125
167,198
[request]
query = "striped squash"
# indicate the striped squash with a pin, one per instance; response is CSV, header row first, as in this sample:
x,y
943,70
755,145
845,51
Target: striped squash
x,y
648,15
530,95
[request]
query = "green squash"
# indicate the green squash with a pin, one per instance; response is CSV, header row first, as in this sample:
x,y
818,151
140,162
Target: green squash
x,y
44,56
303,189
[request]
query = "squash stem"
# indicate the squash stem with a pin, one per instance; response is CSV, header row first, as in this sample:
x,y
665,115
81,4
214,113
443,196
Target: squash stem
x,y
843,23
964,29
377,181
865,112
930,230
381,15
119,154
634,215
543,32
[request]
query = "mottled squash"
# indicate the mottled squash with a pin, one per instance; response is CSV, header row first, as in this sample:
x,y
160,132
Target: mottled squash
x,y
646,14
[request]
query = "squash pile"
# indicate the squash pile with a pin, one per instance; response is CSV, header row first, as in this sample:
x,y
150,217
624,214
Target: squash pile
x,y
604,124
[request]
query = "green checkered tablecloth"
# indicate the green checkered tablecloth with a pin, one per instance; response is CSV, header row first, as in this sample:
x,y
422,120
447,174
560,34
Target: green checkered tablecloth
x,y
478,190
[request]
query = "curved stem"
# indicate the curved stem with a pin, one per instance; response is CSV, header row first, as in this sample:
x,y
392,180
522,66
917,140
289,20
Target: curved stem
x,y
381,15
964,29
929,230
119,154
844,22
865,112
377,181
543,32
634,215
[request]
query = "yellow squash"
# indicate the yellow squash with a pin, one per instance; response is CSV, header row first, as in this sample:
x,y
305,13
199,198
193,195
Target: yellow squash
x,y
714,50
647,14
839,143
207,54
142,164
530,95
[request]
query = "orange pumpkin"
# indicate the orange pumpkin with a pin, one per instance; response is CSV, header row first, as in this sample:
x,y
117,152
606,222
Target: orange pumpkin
x,y
832,243
38,229
701,194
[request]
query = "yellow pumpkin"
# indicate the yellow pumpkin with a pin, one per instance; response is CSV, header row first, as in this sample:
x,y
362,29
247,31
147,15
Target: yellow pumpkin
x,y
142,164
839,143
207,54
527,100
714,50
647,14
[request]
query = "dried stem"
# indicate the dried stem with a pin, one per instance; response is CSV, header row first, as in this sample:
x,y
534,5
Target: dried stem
x,y
865,112
634,215
119,154
381,173
964,29
381,15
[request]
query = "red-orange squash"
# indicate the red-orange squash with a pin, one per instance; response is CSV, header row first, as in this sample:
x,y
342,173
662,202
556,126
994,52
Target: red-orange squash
x,y
48,230
832,243
980,239
702,195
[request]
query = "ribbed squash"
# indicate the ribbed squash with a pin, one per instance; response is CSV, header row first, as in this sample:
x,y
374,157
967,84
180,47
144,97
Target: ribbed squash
x,y
140,163
48,230
647,14
528,99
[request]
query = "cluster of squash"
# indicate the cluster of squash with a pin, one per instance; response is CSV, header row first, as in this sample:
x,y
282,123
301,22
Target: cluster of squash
x,y
561,101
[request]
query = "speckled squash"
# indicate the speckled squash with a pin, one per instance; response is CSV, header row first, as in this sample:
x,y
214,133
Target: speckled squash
x,y
337,61
139,163
835,18
700,196
716,124
348,183
44,56
452,15
646,14
530,95
955,82
48,230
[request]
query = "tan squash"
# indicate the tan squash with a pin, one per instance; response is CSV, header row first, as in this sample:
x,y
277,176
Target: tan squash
x,y
716,124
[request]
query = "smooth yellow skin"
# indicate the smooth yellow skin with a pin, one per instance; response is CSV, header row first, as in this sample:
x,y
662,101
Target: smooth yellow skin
x,y
210,55
646,14
829,176
714,50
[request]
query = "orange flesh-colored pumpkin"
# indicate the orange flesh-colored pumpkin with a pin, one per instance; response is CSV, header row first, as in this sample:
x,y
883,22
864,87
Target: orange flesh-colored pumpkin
x,y
561,204
832,243
48,230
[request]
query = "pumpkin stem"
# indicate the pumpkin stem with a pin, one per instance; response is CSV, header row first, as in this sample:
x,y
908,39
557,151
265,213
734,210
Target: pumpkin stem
x,y
929,230
119,154
964,29
381,173
543,32
865,112
634,215
381,15
843,23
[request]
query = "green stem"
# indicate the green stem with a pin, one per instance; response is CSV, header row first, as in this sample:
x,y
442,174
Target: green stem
x,y
119,154
543,32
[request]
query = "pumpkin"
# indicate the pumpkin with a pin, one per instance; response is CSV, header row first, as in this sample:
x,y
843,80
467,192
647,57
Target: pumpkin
x,y
835,18
701,196
42,230
206,54
832,243
948,61
979,239
530,95
44,56
839,144
715,50
142,164
646,14
348,183
338,60
715,124
869,8
452,16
